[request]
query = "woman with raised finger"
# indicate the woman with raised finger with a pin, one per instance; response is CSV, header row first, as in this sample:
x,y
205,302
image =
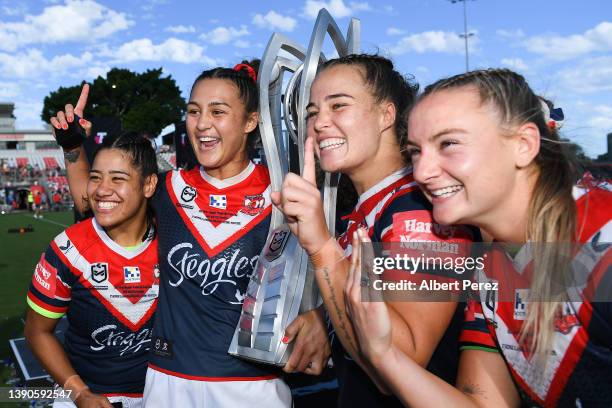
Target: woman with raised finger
x,y
501,161
356,125
210,237
103,275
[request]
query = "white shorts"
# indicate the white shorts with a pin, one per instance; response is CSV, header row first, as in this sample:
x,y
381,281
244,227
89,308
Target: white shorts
x,y
128,402
163,391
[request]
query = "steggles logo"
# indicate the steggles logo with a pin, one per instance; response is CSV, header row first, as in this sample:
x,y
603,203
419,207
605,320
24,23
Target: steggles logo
x,y
188,264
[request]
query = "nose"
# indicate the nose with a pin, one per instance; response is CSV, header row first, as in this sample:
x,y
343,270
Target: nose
x,y
104,188
204,122
321,120
425,167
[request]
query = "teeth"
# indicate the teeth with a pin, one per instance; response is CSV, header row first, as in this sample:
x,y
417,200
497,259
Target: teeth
x,y
446,191
331,143
107,205
208,139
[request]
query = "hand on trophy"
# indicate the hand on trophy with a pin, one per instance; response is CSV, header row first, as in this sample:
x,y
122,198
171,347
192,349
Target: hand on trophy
x,y
300,201
311,349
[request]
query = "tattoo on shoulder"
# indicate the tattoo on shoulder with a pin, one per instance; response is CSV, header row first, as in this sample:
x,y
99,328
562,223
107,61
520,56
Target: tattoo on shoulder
x,y
72,155
471,388
341,321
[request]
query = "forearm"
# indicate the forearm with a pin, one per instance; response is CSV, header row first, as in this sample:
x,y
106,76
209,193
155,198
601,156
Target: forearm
x,y
414,385
51,355
331,270
77,169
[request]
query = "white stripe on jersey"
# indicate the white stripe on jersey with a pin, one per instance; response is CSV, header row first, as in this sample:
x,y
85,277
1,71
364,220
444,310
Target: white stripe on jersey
x,y
132,312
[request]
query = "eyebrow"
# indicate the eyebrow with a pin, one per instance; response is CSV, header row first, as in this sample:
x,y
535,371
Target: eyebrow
x,y
213,103
332,96
110,172
439,134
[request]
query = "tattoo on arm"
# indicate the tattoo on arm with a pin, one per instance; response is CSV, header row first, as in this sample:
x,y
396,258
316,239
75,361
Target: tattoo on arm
x,y
470,388
341,321
72,155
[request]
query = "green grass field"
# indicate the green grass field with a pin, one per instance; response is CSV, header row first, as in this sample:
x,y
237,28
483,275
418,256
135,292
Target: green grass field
x,y
19,253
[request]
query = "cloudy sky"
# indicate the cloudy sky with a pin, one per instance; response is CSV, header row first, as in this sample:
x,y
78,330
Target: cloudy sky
x,y
563,47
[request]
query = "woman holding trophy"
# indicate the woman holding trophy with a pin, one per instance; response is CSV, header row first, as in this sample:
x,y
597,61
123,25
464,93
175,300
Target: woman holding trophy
x,y
357,126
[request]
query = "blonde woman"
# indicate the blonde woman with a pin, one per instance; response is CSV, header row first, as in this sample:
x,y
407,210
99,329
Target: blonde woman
x,y
486,153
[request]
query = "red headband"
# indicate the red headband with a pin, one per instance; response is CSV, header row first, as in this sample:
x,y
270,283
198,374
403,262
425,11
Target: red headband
x,y
250,71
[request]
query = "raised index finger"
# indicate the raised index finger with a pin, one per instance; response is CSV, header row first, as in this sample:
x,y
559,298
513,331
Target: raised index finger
x,y
80,106
309,173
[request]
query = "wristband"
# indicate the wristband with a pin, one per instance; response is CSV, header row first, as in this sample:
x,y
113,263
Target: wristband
x,y
81,388
72,137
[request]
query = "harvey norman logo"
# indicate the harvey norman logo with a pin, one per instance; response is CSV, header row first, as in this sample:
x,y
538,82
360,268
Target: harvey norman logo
x,y
446,231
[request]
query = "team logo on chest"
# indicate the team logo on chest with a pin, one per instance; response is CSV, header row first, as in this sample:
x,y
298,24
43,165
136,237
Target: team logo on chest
x,y
99,272
253,204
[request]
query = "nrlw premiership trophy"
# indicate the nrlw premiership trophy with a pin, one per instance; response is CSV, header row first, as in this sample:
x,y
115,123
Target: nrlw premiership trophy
x,y
282,284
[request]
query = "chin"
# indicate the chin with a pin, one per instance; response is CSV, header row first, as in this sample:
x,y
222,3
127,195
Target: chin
x,y
446,217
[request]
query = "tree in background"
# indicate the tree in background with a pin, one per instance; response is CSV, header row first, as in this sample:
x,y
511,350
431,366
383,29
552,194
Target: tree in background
x,y
145,102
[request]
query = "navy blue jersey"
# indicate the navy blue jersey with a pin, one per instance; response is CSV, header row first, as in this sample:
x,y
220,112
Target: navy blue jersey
x,y
109,295
387,210
210,235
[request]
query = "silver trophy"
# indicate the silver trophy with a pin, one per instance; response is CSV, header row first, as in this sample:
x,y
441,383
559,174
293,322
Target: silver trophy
x,y
282,284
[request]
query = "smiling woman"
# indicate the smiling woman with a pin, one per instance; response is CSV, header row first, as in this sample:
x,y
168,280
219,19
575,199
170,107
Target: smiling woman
x,y
103,274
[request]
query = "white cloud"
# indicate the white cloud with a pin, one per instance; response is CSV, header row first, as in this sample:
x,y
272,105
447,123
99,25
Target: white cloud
x,y
336,8
242,44
33,64
515,63
8,90
590,76
223,35
274,21
74,21
28,114
510,34
432,41
179,29
602,119
597,39
172,49
395,31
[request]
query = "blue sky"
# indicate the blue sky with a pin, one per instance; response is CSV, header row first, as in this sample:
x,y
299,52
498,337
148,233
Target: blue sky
x,y
563,47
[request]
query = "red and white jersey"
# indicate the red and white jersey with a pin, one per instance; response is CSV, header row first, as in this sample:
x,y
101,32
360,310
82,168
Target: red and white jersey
x,y
579,368
395,210
109,294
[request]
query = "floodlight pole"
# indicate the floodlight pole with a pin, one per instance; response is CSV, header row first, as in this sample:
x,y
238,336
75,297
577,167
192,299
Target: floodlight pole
x,y
465,34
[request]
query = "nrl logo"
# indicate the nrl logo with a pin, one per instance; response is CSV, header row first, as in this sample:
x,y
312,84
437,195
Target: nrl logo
x,y
188,194
277,244
99,272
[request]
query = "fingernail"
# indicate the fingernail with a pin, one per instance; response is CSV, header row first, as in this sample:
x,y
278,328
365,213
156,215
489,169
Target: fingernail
x,y
70,118
285,339
82,122
64,126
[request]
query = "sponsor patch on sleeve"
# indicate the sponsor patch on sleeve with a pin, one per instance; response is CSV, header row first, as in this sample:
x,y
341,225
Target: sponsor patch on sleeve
x,y
45,277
